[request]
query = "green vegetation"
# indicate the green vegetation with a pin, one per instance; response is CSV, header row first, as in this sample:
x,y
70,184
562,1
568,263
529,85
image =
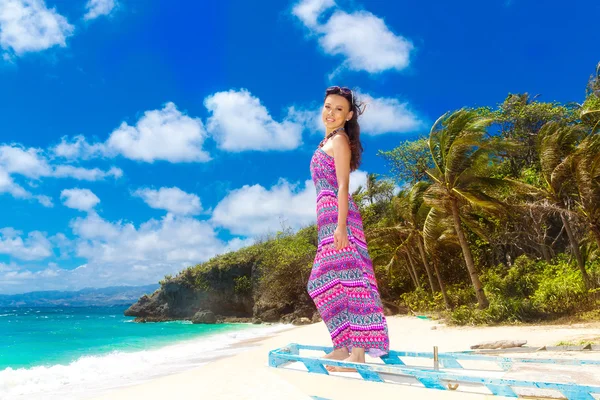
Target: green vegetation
x,y
496,219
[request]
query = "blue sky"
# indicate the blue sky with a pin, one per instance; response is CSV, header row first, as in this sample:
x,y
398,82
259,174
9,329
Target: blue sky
x,y
137,138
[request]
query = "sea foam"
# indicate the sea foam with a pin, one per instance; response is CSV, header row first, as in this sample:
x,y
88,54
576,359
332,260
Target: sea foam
x,y
91,375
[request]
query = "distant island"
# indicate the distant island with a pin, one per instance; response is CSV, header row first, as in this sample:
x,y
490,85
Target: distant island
x,y
88,297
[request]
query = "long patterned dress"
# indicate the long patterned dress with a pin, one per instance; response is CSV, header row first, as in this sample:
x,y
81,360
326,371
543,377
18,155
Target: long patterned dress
x,y
342,282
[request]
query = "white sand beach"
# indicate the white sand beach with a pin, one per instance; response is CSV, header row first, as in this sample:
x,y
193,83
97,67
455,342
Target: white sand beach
x,y
248,376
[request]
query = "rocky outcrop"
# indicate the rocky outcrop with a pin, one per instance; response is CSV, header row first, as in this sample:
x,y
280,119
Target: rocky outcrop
x,y
216,295
178,299
204,317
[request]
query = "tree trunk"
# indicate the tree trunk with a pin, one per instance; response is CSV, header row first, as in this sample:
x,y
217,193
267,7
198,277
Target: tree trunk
x,y
432,283
596,232
576,252
545,253
442,287
481,299
410,272
412,265
544,247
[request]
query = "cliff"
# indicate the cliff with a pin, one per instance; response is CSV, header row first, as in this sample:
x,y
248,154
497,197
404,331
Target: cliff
x,y
264,282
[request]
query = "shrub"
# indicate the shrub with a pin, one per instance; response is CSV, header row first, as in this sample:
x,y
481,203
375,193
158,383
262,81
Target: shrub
x,y
561,289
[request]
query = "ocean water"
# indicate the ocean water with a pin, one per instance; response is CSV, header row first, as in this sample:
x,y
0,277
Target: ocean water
x,y
74,353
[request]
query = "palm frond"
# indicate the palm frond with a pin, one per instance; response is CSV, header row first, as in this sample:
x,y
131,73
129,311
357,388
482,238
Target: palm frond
x,y
556,142
482,200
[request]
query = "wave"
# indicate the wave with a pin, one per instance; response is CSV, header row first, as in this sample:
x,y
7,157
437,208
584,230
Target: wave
x,y
94,374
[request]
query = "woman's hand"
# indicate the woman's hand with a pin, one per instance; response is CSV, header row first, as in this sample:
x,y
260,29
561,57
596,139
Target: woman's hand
x,y
340,238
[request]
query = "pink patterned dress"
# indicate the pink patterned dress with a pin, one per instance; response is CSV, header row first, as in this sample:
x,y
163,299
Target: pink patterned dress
x,y
342,282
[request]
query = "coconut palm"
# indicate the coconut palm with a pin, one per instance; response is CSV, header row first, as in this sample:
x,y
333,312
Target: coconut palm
x,y
461,154
590,111
438,233
398,236
412,211
556,189
585,165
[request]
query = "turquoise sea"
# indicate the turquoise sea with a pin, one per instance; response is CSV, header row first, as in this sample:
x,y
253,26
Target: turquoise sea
x,y
74,352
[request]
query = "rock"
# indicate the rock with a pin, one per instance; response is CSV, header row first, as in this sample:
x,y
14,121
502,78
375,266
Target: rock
x,y
234,320
301,321
287,318
500,344
204,317
272,315
316,317
433,328
257,321
390,308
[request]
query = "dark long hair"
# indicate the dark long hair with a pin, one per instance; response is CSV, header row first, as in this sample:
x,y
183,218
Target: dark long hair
x,y
351,127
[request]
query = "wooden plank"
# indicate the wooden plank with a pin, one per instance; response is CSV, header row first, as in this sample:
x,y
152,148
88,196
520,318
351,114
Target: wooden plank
x,y
449,360
430,378
501,390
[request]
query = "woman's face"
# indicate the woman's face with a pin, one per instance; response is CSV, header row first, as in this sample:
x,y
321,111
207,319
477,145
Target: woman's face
x,y
336,110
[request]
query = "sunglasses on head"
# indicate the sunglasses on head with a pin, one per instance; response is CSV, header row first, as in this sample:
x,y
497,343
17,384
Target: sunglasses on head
x,y
343,90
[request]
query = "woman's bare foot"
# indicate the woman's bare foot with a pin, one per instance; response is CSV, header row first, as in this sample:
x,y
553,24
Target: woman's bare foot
x,y
338,354
357,356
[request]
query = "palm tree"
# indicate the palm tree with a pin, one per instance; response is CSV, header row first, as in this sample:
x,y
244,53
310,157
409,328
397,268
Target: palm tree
x,y
586,170
590,111
461,155
556,146
398,235
412,212
438,233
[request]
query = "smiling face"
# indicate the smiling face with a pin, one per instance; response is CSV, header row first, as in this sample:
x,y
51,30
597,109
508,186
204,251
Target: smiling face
x,y
336,111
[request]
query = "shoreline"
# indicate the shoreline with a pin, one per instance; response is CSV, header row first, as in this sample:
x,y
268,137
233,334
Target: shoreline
x,y
83,377
246,375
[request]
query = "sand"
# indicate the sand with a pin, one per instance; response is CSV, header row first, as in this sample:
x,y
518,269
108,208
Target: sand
x,y
248,376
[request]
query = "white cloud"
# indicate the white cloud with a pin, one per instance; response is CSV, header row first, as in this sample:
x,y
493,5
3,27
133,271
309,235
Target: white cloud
x,y
7,185
32,163
116,253
35,246
310,119
162,246
85,174
173,199
363,39
165,134
386,115
78,148
240,122
30,26
44,200
96,8
308,11
255,210
357,178
79,199
93,227
368,46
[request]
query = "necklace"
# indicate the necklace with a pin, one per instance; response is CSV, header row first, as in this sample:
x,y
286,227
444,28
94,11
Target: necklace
x,y
330,135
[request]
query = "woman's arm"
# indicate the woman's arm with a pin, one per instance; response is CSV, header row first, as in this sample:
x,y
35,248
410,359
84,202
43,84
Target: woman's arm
x,y
341,156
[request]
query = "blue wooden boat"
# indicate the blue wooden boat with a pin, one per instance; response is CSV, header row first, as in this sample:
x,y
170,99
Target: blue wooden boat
x,y
446,371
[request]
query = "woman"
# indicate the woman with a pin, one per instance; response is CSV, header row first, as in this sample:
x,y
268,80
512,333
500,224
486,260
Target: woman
x,y
342,282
